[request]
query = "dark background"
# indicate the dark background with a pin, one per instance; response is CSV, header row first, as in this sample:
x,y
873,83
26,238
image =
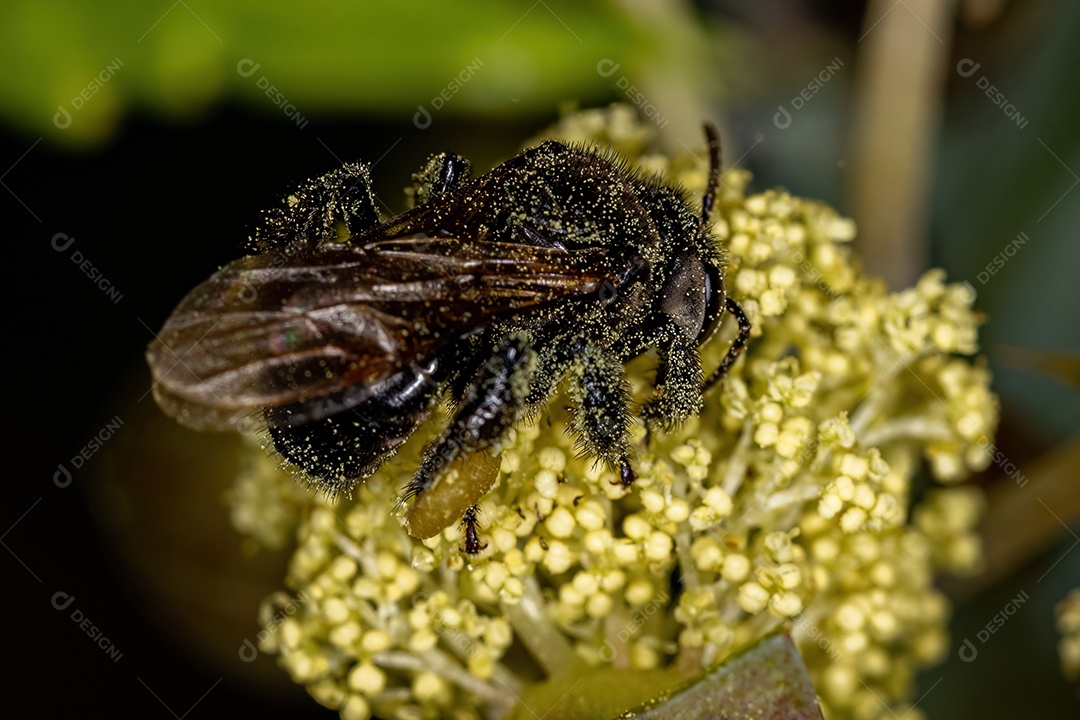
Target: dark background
x,y
163,198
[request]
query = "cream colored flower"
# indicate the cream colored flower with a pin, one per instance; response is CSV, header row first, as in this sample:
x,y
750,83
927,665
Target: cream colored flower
x,y
784,505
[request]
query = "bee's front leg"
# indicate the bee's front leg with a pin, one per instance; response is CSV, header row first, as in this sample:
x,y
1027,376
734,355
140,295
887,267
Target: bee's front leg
x,y
602,420
457,469
677,393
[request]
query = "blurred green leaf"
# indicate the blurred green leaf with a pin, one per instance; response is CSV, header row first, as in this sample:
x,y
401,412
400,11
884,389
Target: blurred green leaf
x,y
97,62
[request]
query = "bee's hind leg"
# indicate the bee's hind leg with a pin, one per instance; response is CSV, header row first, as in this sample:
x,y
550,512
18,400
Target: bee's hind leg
x,y
458,468
331,207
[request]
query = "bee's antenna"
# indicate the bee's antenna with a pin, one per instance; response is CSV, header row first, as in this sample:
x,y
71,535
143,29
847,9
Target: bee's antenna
x,y
713,138
736,349
707,202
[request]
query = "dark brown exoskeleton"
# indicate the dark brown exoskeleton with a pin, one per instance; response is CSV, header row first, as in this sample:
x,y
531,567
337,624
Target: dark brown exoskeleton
x,y
343,332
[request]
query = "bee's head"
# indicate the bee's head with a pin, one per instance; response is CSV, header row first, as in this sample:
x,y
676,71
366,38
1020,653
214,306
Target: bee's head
x,y
693,296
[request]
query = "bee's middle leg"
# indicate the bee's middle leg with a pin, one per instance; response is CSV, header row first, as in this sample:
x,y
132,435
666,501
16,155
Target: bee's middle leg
x,y
492,402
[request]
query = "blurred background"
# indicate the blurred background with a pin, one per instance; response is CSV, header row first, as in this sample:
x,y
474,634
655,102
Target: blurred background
x,y
139,141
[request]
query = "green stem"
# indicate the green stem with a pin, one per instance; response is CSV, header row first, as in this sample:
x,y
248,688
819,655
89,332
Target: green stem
x,y
913,428
683,539
874,401
538,633
739,460
444,666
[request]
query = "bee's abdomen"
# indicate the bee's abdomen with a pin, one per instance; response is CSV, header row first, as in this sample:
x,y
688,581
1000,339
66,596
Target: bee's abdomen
x,y
340,450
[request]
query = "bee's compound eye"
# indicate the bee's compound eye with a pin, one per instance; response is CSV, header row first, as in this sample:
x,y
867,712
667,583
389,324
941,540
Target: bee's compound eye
x,y
714,302
694,296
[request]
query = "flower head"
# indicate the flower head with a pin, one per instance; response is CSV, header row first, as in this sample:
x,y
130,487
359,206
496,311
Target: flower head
x,y
786,504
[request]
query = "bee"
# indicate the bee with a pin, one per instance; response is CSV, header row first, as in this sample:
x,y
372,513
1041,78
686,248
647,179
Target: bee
x,y
342,332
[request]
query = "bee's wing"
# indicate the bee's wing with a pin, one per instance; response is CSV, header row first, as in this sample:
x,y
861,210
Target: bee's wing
x,y
319,330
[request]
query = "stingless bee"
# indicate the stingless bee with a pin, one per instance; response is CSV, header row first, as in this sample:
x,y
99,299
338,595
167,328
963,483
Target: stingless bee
x,y
561,262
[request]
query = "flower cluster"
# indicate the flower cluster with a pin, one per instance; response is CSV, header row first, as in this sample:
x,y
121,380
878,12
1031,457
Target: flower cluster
x,y
787,504
1068,623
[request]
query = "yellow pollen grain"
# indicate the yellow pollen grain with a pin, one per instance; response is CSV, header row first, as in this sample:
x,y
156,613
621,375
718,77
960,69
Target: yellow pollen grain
x,y
557,559
719,501
599,605
356,708
639,592
652,501
752,597
786,604
590,515
560,523
765,434
366,678
335,610
585,583
678,511
659,546
547,484
552,458
736,568
636,527
375,641
625,551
